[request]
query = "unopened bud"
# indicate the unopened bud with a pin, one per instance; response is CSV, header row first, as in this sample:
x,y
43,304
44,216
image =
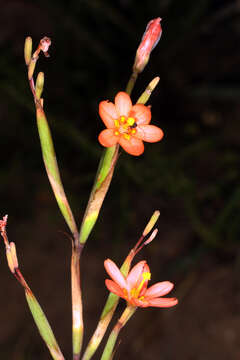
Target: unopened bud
x,y
14,254
149,40
148,91
3,223
12,257
39,85
151,237
44,45
151,222
10,260
28,50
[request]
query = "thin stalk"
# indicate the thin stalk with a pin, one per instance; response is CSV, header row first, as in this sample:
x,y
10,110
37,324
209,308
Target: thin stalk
x,y
77,311
38,315
52,170
131,82
109,348
112,300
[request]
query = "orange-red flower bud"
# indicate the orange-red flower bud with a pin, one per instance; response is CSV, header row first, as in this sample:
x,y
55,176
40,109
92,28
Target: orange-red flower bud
x,y
149,40
44,45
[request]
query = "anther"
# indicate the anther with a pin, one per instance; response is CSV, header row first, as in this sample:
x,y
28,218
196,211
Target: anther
x,y
127,136
130,121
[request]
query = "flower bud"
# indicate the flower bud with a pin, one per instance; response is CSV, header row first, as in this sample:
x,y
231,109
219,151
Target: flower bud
x,y
44,45
39,85
148,91
149,40
12,257
151,222
3,223
28,50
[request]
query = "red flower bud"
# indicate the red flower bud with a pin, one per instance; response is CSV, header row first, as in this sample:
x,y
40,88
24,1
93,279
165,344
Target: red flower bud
x,y
44,46
149,40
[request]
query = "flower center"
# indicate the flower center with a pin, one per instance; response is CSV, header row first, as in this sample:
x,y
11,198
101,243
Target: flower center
x,y
125,126
136,291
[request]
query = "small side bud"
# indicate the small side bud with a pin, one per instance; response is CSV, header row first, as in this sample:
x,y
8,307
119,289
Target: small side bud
x,y
148,91
149,40
10,260
151,222
3,223
44,45
151,237
12,257
39,85
14,254
28,50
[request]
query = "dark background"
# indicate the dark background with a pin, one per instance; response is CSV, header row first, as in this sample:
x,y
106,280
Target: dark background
x,y
192,176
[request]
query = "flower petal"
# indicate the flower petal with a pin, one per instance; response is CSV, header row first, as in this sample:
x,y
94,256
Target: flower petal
x,y
114,288
139,303
134,278
135,302
108,113
158,289
113,271
149,133
123,103
133,146
108,138
162,302
141,113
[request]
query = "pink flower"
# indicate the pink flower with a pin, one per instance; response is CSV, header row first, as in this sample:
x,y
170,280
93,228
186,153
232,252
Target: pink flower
x,y
127,124
149,40
133,287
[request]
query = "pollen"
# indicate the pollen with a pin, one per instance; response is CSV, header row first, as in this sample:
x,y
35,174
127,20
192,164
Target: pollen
x,y
146,276
116,133
127,136
133,131
130,121
122,119
116,122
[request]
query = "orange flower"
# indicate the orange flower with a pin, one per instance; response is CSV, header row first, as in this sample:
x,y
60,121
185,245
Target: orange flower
x,y
127,124
133,287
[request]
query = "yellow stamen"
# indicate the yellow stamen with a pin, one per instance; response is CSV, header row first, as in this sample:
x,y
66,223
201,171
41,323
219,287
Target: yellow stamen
x,y
133,131
127,136
146,276
122,119
116,122
130,121
116,133
135,292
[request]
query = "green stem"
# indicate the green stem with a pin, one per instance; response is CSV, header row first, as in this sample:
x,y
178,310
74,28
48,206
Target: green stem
x,y
131,83
109,348
107,314
99,191
77,312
